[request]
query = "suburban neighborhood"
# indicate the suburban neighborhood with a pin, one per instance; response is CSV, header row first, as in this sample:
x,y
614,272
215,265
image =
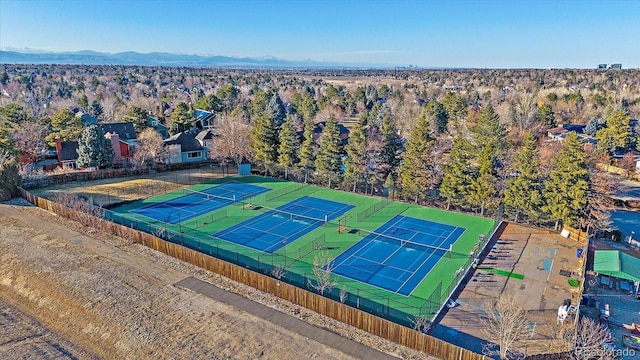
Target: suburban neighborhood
x,y
342,180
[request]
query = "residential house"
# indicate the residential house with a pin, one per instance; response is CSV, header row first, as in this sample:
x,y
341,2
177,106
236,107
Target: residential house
x,y
204,119
317,132
123,140
161,128
87,119
205,137
67,152
185,147
559,133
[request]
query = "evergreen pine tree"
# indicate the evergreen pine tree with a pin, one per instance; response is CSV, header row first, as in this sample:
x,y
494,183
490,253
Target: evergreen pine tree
x,y
417,171
567,188
138,116
489,132
264,135
356,160
457,178
307,154
94,149
545,115
389,155
524,192
482,191
276,108
288,149
181,119
95,109
617,135
439,114
390,184
66,125
329,159
456,108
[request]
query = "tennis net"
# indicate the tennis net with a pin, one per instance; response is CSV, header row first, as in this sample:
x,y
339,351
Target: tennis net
x,y
292,216
209,196
378,236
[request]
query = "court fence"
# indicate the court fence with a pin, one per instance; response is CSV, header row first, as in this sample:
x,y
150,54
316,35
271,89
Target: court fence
x,y
351,309
361,216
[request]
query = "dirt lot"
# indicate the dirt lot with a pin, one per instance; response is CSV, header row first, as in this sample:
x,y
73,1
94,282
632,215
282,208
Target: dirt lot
x,y
66,292
547,261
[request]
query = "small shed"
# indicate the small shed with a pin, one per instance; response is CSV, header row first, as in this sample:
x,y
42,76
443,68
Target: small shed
x,y
617,264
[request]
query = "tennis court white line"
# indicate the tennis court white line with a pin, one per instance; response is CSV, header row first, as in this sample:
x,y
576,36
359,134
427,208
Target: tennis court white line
x,y
420,267
385,265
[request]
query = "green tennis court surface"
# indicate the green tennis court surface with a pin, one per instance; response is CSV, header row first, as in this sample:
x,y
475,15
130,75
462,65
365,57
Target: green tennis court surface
x,y
326,245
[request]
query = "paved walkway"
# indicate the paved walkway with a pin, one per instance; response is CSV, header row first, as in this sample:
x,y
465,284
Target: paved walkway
x,y
320,335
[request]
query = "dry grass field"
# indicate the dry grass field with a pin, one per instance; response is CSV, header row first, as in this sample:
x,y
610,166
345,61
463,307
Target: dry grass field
x,y
68,292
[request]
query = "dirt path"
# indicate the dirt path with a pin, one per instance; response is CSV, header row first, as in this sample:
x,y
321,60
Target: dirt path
x,y
100,297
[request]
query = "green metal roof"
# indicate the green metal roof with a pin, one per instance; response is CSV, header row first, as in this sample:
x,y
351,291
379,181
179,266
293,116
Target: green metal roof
x,y
617,264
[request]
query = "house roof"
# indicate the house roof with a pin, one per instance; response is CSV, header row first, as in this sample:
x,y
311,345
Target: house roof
x,y
203,114
617,264
204,135
88,119
204,119
574,127
187,141
124,130
68,151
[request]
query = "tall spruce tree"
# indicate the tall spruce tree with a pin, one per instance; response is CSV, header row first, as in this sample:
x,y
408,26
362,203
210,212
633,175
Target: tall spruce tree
x,y
356,160
489,132
94,149
617,135
456,108
181,119
66,125
138,116
329,159
483,191
440,117
264,135
276,108
288,149
307,153
457,178
524,191
567,188
391,149
417,171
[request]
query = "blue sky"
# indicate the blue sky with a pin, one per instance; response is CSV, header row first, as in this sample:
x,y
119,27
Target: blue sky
x,y
493,34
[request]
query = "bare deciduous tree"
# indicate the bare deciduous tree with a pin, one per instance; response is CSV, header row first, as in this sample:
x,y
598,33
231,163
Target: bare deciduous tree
x,y
420,324
506,325
628,163
322,268
29,137
278,272
232,141
343,295
585,340
589,340
597,215
150,148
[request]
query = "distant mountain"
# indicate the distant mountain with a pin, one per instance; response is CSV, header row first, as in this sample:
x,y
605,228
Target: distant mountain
x,y
88,57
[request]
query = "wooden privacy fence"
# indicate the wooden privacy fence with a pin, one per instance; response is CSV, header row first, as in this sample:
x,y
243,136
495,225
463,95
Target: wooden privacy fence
x,y
302,297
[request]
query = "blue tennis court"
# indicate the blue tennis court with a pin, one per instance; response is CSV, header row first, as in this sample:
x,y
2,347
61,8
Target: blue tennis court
x,y
196,203
397,255
278,227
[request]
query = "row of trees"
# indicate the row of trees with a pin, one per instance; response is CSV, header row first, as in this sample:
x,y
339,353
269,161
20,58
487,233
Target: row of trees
x,y
506,324
477,174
